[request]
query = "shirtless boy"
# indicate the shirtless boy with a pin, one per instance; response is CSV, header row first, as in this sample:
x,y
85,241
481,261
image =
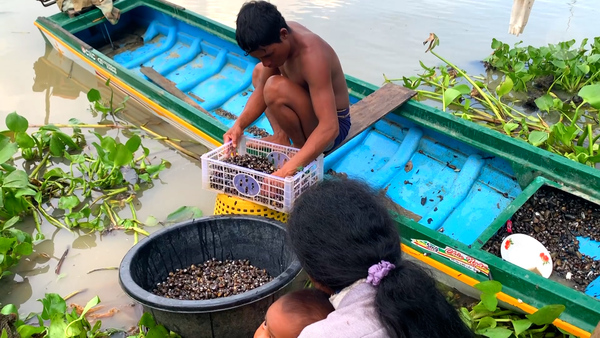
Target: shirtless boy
x,y
299,84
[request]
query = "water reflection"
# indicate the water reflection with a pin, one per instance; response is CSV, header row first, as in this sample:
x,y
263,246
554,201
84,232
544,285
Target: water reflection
x,y
54,77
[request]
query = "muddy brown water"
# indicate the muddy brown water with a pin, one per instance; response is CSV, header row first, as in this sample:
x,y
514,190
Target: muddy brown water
x,y
371,38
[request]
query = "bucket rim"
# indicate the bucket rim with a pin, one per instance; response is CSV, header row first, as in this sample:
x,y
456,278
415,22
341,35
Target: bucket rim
x,y
147,298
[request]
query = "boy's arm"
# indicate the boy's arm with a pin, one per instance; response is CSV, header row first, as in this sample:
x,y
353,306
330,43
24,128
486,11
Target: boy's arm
x,y
318,77
254,107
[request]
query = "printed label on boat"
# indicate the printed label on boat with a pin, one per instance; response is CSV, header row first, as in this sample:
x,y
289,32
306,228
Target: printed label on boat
x,y
454,255
100,61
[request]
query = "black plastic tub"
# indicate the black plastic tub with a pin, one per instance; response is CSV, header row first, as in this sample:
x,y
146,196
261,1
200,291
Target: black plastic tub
x,y
258,239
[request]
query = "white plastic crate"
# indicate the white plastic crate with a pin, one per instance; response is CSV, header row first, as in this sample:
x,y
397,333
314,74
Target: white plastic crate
x,y
274,192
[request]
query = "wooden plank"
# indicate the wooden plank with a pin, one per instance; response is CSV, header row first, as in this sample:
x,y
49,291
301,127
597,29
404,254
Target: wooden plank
x,y
372,108
169,86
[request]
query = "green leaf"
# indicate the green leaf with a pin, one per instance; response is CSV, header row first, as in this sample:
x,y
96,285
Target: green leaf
x,y
489,300
24,140
593,58
496,44
505,87
183,214
496,332
108,143
509,127
55,172
93,95
8,224
57,326
8,309
547,314
68,202
466,316
519,66
559,64
73,329
6,244
26,331
93,302
521,325
20,235
53,305
147,321
16,179
155,169
74,121
450,95
66,139
49,127
157,332
16,122
589,93
537,137
23,249
486,322
25,192
57,146
463,89
4,333
7,149
151,221
545,102
133,144
122,155
584,69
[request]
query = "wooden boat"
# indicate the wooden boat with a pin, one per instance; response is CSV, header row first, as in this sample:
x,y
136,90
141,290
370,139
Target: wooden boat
x,y
454,183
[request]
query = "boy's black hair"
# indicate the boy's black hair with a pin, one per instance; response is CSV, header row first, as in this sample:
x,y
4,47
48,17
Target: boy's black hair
x,y
258,24
308,305
341,227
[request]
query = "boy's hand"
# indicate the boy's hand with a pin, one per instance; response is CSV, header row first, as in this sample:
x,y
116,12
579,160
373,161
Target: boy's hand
x,y
285,171
233,134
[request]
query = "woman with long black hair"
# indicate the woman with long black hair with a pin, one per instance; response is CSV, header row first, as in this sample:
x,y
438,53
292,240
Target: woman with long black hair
x,y
347,243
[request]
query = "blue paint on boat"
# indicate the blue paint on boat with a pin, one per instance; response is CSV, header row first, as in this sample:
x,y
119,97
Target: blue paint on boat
x,y
445,185
213,72
589,247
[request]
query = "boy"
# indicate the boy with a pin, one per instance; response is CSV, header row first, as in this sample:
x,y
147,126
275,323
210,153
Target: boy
x,y
299,84
290,314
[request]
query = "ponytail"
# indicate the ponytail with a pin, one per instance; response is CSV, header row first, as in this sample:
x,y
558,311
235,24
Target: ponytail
x,y
410,305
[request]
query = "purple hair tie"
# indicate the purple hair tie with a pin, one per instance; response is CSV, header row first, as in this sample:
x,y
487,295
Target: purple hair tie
x,y
378,271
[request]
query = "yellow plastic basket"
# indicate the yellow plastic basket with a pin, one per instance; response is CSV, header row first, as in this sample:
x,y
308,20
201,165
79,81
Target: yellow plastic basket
x,y
227,205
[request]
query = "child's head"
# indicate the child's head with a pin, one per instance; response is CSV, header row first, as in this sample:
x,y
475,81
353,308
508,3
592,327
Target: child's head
x,y
293,312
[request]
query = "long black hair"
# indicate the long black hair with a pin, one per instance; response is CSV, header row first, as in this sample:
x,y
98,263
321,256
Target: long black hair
x,y
258,24
341,227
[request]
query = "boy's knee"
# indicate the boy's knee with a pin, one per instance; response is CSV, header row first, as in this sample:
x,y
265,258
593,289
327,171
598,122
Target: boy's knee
x,y
274,89
258,69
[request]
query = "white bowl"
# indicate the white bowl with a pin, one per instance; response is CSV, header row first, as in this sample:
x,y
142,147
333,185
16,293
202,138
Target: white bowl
x,y
528,253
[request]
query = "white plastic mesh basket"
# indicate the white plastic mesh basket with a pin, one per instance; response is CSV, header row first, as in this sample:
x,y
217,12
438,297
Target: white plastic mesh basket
x,y
274,192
